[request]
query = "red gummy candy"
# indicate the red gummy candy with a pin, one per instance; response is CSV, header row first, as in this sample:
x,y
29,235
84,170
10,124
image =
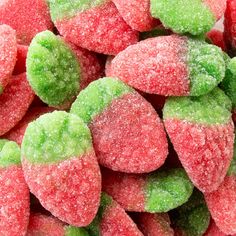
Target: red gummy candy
x,y
229,26
154,224
14,202
99,29
8,49
17,133
40,224
136,13
20,66
217,7
213,230
14,102
27,17
217,38
222,205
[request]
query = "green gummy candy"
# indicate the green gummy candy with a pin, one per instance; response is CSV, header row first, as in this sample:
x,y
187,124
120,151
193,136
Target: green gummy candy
x,y
183,16
97,96
206,66
64,9
212,108
192,217
229,82
94,227
75,231
9,153
53,69
166,190
54,137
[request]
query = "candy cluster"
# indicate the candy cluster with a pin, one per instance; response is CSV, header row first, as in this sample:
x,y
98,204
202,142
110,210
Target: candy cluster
x,y
117,118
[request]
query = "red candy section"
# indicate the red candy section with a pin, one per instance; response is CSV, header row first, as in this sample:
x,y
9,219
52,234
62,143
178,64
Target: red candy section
x,y
217,38
99,29
136,13
14,202
204,151
213,230
217,7
157,65
129,136
126,189
8,49
20,66
17,133
222,205
45,225
154,224
27,17
69,190
14,102
115,221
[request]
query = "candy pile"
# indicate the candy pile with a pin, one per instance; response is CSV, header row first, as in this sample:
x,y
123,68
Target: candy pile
x,y
117,118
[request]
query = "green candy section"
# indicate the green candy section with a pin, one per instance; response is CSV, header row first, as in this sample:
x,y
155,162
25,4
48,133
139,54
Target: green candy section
x,y
183,16
206,66
94,228
212,108
9,153
55,137
74,231
166,190
97,96
53,69
229,82
64,9
193,217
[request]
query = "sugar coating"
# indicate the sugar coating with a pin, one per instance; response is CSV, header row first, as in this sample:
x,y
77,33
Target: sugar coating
x,y
213,230
217,7
27,17
108,66
157,65
14,102
184,16
166,190
14,202
193,217
229,82
126,189
205,151
97,96
206,67
211,109
216,37
8,50
70,189
16,134
112,220
222,204
154,224
136,13
9,153
75,231
100,29
53,70
229,29
232,168
62,9
55,137
20,66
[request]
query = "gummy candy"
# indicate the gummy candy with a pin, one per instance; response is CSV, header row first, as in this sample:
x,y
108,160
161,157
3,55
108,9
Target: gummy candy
x,y
188,16
8,49
124,137
60,167
213,230
216,37
94,25
170,66
202,133
20,66
14,193
14,102
27,17
160,191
